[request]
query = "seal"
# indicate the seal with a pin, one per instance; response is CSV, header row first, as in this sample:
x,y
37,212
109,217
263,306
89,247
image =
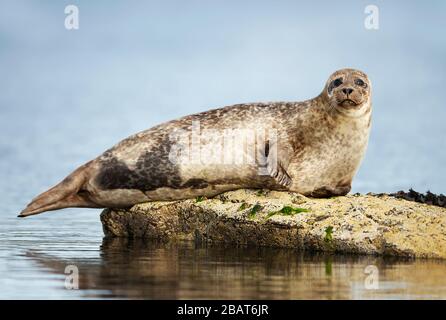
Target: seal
x,y
312,147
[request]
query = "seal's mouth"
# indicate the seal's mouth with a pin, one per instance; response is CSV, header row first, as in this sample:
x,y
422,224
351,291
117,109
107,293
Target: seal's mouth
x,y
348,103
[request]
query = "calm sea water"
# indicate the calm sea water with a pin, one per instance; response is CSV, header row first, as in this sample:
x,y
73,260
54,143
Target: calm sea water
x,y
66,96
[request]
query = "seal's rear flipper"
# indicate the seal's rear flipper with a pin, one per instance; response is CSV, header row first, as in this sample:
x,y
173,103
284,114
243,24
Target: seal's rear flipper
x,y
75,200
66,194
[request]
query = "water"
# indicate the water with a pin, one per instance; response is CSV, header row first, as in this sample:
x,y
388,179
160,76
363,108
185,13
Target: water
x,y
37,258
66,96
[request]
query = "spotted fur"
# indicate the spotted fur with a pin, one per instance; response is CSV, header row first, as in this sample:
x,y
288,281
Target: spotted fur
x,y
320,144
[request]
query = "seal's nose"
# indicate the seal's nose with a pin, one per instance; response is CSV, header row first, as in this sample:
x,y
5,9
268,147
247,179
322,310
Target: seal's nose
x,y
347,91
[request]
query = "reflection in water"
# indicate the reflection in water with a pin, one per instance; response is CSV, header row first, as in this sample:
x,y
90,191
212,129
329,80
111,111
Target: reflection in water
x,y
150,270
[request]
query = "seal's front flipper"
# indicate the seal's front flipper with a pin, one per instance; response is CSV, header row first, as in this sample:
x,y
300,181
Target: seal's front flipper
x,y
279,174
275,161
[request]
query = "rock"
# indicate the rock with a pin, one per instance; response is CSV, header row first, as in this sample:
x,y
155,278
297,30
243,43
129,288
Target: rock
x,y
363,224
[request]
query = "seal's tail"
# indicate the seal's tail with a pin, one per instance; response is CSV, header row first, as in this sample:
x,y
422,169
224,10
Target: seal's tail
x,y
67,193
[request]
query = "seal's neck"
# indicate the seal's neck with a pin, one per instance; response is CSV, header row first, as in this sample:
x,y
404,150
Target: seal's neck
x,y
362,112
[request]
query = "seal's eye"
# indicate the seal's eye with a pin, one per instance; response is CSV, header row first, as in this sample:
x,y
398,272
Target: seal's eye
x,y
360,83
337,82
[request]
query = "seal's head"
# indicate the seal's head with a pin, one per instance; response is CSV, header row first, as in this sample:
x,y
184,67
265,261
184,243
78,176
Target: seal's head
x,y
348,91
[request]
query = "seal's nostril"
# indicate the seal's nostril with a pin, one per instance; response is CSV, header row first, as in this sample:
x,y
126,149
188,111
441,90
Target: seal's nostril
x,y
347,91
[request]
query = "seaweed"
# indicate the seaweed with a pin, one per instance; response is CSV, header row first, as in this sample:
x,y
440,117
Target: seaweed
x,y
252,213
328,234
428,198
287,211
243,206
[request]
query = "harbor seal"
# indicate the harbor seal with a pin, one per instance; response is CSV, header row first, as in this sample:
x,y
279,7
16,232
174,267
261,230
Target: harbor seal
x,y
312,147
